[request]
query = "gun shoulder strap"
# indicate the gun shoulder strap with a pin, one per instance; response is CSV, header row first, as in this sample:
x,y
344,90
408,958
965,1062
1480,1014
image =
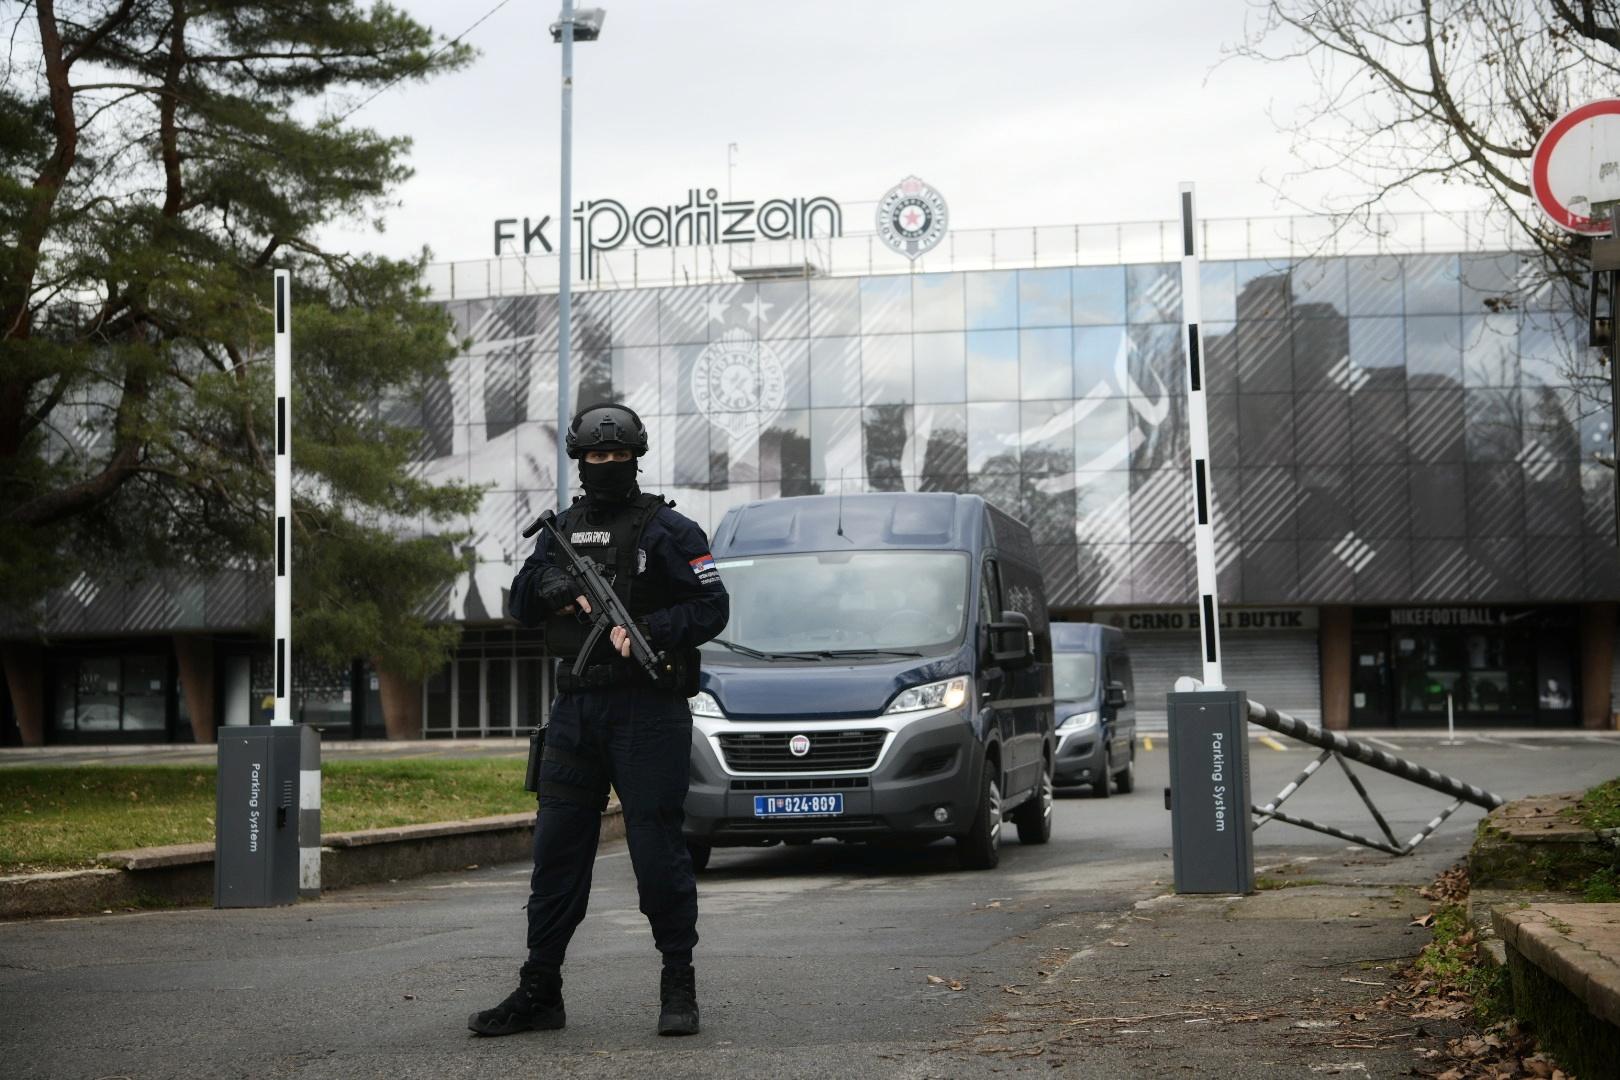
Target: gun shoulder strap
x,y
643,508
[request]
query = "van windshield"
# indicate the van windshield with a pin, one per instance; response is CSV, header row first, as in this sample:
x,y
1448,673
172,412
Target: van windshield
x,y
845,600
1074,676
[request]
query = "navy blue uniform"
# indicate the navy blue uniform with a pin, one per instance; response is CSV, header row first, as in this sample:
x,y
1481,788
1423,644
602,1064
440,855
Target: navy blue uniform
x,y
632,735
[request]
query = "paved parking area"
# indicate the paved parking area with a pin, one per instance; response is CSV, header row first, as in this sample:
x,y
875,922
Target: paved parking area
x,y
814,961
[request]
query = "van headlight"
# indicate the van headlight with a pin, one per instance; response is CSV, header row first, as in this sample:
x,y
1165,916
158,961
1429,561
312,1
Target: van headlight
x,y
702,703
1080,721
945,694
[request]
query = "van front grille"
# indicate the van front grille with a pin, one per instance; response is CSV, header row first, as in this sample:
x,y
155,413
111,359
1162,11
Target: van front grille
x,y
830,751
810,783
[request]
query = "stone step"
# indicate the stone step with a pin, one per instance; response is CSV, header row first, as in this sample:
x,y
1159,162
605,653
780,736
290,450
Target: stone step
x,y
1564,963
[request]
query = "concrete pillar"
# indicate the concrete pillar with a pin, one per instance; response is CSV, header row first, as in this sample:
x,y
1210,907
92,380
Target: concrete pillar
x,y
401,703
1336,666
195,654
1597,659
25,677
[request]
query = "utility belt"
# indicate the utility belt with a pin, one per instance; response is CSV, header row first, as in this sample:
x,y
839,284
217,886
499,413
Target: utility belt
x,y
597,676
682,678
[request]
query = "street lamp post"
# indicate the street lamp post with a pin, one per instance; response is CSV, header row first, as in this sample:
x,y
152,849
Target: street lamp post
x,y
571,26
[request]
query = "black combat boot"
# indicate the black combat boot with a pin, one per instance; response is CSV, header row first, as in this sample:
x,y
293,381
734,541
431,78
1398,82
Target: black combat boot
x,y
678,991
536,1005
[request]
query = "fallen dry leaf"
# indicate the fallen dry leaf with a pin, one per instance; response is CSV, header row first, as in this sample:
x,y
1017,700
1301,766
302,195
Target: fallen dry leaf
x,y
936,980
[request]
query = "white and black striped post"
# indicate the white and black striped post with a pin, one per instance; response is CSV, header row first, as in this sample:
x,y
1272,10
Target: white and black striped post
x,y
309,769
1209,612
1208,795
283,709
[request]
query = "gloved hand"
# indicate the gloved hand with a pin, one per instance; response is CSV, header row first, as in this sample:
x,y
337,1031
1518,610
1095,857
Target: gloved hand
x,y
557,592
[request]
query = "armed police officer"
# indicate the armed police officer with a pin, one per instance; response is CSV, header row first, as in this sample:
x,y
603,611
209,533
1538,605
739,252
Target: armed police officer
x,y
613,724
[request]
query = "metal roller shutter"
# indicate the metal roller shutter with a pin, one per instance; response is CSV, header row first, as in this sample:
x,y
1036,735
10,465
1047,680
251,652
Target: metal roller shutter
x,y
1281,669
1157,661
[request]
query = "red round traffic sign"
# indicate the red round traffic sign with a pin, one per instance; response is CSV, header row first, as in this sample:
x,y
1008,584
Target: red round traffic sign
x,y
1576,167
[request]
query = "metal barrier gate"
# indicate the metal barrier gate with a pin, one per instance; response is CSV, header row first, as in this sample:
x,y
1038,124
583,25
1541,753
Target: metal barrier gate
x,y
1337,746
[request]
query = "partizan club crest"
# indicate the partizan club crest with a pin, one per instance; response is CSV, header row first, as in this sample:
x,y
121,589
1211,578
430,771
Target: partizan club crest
x,y
912,218
738,384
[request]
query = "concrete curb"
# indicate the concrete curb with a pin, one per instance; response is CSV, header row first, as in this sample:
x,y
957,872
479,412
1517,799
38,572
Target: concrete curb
x,y
1534,844
1564,964
184,873
1567,942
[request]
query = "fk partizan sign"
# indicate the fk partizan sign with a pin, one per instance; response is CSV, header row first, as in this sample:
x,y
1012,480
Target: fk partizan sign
x,y
911,220
703,219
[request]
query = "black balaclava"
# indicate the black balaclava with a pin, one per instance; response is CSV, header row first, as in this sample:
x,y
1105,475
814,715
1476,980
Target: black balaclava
x,y
609,482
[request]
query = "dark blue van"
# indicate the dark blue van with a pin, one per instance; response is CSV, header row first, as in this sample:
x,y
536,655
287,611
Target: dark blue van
x,y
886,673
1095,700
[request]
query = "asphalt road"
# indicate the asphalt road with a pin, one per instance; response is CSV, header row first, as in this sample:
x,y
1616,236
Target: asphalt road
x,y
814,960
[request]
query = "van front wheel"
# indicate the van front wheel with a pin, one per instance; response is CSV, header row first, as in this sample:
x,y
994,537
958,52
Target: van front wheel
x,y
700,855
1099,786
980,847
1034,818
1125,779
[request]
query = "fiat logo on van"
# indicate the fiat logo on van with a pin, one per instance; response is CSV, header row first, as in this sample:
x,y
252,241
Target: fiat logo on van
x,y
799,745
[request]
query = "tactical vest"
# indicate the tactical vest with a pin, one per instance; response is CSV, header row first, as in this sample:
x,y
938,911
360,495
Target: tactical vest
x,y
611,537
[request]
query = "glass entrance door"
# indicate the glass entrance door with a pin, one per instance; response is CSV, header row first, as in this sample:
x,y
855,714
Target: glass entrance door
x,y
1369,680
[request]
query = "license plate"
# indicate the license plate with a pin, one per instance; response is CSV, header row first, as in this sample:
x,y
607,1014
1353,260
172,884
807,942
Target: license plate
x,y
798,805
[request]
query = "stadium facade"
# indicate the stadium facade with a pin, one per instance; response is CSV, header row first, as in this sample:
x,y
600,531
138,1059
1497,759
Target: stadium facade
x,y
1409,513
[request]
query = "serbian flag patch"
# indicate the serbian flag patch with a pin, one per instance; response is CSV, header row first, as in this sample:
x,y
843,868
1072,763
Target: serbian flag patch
x,y
703,567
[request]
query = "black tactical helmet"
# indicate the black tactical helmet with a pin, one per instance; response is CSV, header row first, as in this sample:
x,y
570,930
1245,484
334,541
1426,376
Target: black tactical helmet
x,y
606,426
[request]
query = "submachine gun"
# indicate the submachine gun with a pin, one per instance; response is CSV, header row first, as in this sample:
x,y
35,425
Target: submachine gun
x,y
607,611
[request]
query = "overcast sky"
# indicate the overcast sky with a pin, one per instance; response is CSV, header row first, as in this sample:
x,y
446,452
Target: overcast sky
x,y
1020,112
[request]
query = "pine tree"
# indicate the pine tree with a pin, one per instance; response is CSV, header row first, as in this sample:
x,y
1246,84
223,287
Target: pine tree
x,y
160,158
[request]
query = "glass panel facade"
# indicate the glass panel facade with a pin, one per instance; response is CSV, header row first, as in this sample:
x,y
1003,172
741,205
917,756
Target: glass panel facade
x,y
1382,428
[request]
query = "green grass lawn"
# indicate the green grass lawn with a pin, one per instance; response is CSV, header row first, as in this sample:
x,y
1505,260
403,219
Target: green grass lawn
x,y
59,817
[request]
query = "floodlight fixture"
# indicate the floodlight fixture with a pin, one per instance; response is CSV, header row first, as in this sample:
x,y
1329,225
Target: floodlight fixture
x,y
587,24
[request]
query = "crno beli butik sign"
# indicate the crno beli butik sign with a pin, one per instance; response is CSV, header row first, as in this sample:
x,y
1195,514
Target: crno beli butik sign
x,y
1177,620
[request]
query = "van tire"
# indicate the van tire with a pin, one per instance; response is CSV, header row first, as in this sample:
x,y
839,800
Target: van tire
x,y
700,855
980,847
1125,779
1100,787
1034,818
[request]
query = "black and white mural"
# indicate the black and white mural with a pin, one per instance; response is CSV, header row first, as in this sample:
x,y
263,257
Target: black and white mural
x,y
1384,429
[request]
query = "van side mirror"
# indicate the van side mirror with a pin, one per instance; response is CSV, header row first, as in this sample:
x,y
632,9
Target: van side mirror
x,y
1012,643
1115,695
